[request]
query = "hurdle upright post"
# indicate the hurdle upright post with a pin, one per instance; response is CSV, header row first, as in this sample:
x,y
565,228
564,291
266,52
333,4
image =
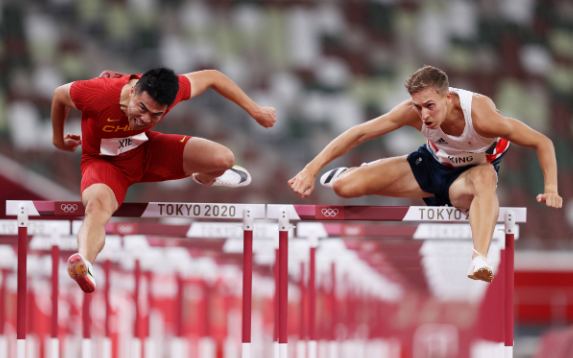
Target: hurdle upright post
x,y
22,280
301,344
276,304
284,227
312,342
54,341
138,350
3,340
107,348
248,227
509,280
86,324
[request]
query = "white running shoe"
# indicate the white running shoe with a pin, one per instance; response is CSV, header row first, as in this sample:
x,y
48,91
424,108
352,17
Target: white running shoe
x,y
233,178
328,178
480,269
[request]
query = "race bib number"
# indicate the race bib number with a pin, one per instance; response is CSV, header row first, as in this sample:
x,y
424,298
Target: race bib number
x,y
117,146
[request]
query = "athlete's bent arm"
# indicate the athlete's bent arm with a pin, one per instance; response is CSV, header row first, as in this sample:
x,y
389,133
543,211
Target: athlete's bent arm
x,y
202,80
491,124
402,115
61,104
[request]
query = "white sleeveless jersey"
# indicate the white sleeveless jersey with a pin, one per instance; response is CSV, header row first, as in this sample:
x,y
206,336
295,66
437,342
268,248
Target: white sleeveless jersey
x,y
469,148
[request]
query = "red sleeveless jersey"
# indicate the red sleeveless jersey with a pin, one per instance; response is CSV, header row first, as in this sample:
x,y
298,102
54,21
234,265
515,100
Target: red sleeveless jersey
x,y
102,118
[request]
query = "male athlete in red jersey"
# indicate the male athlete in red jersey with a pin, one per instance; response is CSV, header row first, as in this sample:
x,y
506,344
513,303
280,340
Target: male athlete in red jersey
x,y
119,149
466,140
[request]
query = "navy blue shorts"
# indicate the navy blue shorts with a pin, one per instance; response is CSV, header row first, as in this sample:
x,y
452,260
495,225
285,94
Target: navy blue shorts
x,y
436,178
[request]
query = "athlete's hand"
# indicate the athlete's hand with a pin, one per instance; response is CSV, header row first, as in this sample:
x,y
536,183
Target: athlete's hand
x,y
553,200
265,116
70,143
303,183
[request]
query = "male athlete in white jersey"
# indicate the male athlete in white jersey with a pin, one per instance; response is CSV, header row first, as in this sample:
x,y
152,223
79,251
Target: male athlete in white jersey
x,y
466,140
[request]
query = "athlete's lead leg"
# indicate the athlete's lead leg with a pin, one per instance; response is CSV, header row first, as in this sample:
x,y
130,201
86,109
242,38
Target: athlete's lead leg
x,y
476,189
100,203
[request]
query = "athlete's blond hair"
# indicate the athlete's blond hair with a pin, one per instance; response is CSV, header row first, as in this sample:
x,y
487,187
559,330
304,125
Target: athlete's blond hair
x,y
426,77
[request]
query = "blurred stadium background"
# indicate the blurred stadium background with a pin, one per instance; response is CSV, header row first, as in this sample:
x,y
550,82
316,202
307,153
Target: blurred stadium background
x,y
325,66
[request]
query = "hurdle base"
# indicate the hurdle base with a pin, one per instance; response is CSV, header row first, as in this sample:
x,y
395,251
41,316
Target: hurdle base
x,y
301,349
207,348
86,348
246,350
333,349
21,348
149,346
136,347
283,350
312,349
508,351
54,344
179,348
106,347
3,346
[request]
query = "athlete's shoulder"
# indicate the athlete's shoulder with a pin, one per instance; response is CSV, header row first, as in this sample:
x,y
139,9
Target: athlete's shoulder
x,y
486,118
184,88
482,107
96,92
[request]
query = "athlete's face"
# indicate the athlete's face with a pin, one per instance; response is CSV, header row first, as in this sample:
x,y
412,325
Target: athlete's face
x,y
431,106
143,111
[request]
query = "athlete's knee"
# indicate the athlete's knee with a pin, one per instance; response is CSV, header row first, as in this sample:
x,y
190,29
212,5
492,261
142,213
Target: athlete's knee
x,y
96,207
485,178
224,160
344,189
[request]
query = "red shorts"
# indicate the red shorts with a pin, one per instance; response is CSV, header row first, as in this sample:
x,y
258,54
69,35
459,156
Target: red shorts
x,y
158,159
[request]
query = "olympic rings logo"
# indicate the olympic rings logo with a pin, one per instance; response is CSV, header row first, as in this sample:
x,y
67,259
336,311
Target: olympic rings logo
x,y
352,230
125,229
69,208
329,213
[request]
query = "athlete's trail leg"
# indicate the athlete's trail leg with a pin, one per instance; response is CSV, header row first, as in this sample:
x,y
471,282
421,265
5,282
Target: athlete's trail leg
x,y
476,189
208,159
386,177
100,203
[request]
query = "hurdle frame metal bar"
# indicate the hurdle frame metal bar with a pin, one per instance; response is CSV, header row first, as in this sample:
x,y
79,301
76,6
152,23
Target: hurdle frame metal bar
x,y
312,339
54,340
107,347
509,216
3,339
25,208
284,226
248,227
22,280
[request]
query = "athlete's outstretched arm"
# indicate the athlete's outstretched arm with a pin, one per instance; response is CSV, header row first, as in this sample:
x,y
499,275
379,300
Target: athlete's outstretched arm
x,y
201,80
490,124
61,104
402,115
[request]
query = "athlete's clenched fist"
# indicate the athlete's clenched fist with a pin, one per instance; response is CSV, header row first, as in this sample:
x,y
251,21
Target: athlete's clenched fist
x,y
553,200
265,116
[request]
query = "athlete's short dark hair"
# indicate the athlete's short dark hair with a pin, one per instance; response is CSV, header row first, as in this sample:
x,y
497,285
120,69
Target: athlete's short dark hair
x,y
426,77
161,84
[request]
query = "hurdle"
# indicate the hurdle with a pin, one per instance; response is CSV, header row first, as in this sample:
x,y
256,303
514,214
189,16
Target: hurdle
x,y
246,213
285,213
